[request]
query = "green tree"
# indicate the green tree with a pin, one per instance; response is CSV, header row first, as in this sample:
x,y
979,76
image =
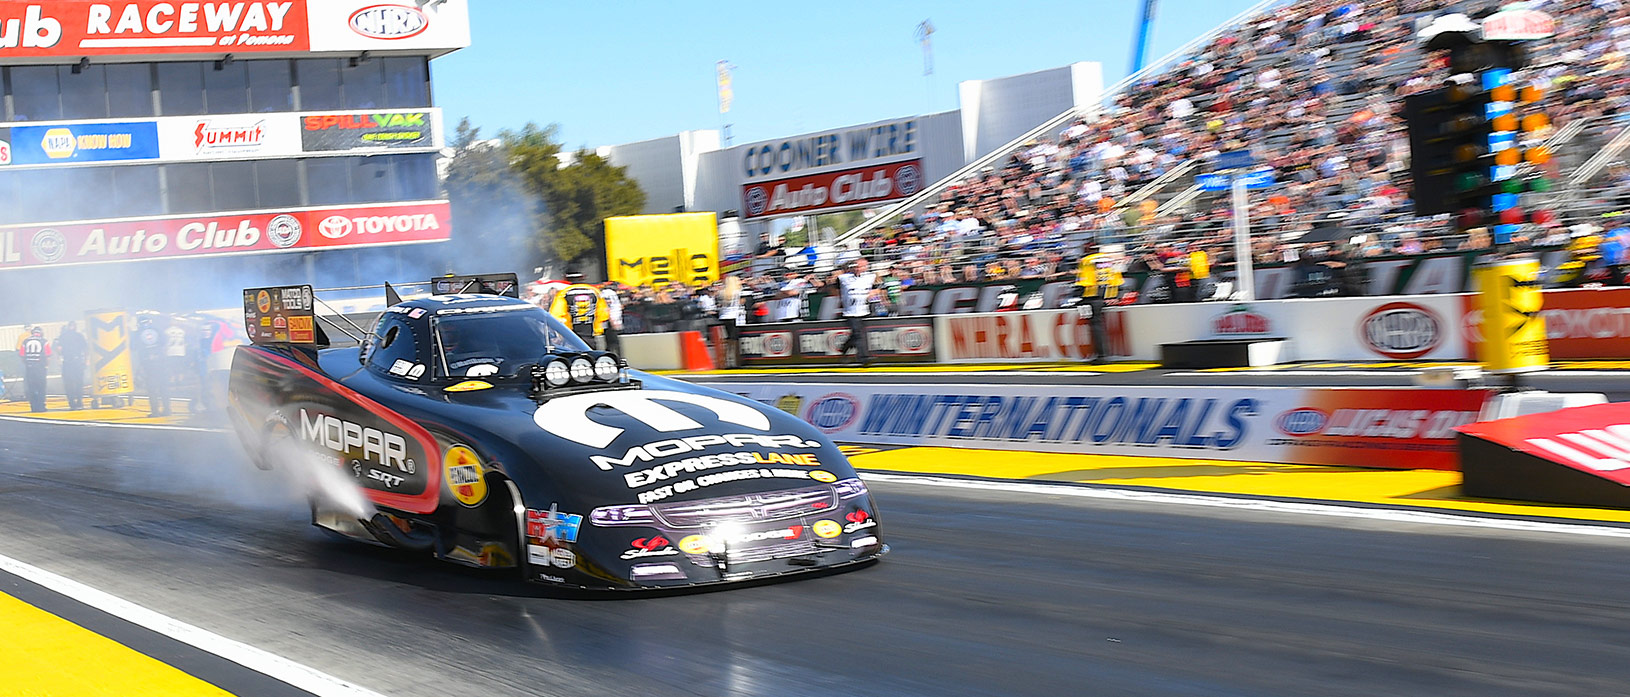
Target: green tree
x,y
494,218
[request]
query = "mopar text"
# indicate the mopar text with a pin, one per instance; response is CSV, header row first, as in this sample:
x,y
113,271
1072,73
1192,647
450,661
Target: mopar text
x,y
345,437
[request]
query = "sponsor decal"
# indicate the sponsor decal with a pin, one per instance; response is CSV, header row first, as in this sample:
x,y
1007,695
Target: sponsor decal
x,y
691,465
49,245
858,520
1397,423
351,439
689,485
1240,321
567,417
392,130
833,190
552,525
1147,421
791,532
653,546
563,558
789,403
470,386
1301,422
284,231
389,480
827,528
196,236
1401,330
389,22
694,544
833,412
85,142
465,476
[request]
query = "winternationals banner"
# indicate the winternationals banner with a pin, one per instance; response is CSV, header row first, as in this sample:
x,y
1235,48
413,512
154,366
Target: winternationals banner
x,y
827,191
28,246
1386,428
74,28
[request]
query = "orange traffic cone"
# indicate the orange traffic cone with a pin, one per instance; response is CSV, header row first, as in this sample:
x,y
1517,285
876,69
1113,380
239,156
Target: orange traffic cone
x,y
693,351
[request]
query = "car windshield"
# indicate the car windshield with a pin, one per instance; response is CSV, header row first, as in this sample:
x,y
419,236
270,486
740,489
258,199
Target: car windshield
x,y
501,344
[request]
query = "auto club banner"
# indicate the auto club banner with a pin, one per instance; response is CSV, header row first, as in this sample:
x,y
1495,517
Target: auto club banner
x,y
831,191
889,340
1388,428
75,28
65,244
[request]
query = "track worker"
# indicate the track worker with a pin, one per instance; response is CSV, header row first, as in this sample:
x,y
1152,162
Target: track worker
x,y
1100,284
855,287
580,307
72,347
154,369
34,351
614,317
732,314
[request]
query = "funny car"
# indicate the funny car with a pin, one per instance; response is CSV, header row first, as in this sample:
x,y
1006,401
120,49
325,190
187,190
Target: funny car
x,y
479,429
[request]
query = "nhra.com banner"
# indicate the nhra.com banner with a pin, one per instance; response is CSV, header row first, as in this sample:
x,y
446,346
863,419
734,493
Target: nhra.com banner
x,y
26,246
1392,428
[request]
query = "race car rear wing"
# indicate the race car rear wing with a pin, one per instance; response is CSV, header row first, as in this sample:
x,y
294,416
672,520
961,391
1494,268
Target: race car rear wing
x,y
282,315
505,284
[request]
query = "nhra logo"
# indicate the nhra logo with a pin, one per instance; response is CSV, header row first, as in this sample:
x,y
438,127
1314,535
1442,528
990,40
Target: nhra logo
x,y
1401,331
389,22
757,200
908,180
913,340
833,413
1305,421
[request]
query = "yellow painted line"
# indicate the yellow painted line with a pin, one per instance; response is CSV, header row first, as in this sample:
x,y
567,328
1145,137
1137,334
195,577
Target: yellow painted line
x,y
42,655
1435,489
57,410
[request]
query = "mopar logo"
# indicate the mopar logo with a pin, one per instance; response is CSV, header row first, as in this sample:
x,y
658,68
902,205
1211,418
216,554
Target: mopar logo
x,y
833,412
345,437
1305,421
389,22
1401,331
568,417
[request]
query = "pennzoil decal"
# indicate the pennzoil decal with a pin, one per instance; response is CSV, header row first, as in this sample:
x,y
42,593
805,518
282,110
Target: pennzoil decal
x,y
465,476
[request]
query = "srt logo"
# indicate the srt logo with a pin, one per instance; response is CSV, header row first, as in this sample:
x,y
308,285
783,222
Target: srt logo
x,y
568,417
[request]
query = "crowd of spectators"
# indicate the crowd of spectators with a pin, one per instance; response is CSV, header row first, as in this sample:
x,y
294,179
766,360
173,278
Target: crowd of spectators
x,y
1315,90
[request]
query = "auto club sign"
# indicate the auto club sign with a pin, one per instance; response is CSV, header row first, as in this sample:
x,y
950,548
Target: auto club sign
x,y
829,191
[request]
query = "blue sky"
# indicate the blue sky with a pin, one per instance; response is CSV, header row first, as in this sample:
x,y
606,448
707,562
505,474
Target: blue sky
x,y
617,72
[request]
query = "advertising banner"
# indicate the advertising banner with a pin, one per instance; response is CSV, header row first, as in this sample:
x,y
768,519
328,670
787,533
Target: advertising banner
x,y
921,300
889,340
866,146
1388,428
76,28
108,334
381,130
660,249
1405,328
217,137
835,190
1513,331
1036,335
1585,323
214,235
5,146
84,142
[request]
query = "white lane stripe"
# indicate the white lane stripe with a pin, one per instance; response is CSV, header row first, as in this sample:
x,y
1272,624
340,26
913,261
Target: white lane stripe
x,y
104,424
300,676
1299,373
1322,509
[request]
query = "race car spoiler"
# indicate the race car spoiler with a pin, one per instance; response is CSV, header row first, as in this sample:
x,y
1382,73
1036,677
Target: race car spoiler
x,y
505,284
282,315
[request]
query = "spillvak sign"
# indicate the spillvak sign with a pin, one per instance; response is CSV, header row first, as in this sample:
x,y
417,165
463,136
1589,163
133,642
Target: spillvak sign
x,y
836,190
64,244
390,130
1391,428
74,28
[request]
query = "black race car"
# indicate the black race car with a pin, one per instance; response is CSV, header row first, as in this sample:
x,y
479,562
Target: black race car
x,y
477,428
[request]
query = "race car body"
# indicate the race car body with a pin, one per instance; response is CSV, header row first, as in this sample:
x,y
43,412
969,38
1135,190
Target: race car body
x,y
479,429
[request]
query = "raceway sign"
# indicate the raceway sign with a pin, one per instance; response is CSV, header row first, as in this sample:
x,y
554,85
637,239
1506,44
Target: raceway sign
x,y
1394,428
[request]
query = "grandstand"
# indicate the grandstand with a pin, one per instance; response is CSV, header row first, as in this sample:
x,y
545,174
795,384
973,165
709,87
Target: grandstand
x,y
1314,89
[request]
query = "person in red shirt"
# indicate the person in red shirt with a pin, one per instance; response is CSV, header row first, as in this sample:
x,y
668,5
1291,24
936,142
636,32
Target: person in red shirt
x,y
34,350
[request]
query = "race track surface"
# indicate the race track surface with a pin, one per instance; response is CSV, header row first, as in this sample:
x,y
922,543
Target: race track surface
x,y
985,593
